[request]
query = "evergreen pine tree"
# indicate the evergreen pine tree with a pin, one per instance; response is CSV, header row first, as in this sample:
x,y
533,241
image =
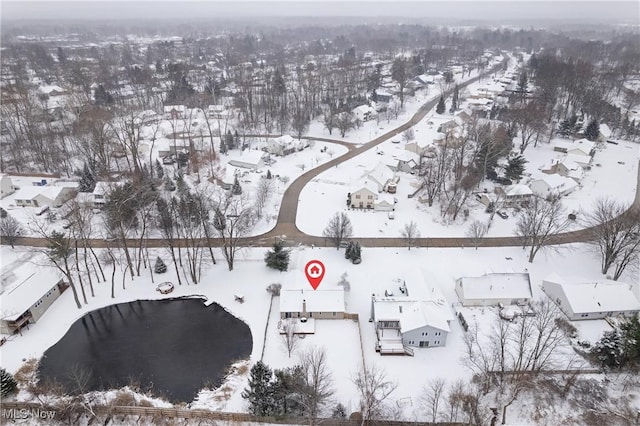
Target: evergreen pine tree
x,y
441,106
454,99
278,257
356,257
236,140
515,168
219,221
87,180
593,130
269,176
608,350
236,189
348,251
160,267
7,382
159,169
259,395
339,412
229,140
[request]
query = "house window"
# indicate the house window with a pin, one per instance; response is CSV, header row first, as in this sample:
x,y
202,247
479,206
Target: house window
x,y
369,197
424,344
334,314
357,196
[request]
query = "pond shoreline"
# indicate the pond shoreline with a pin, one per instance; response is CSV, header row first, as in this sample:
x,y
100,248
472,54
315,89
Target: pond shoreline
x,y
173,347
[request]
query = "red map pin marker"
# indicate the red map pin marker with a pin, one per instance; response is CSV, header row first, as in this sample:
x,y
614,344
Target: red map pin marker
x,y
314,270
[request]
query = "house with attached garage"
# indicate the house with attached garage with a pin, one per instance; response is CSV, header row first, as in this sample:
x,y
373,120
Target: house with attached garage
x,y
365,113
285,145
493,289
41,196
582,147
312,304
363,195
249,159
583,300
382,176
405,161
514,195
27,293
570,169
419,146
552,185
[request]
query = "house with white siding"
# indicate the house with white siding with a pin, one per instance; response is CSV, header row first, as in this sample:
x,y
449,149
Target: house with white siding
x,y
363,195
27,293
41,196
249,159
312,304
403,321
583,300
552,185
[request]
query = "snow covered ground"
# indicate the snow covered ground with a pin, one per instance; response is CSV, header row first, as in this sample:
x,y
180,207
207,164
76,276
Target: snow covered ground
x,y
341,338
614,174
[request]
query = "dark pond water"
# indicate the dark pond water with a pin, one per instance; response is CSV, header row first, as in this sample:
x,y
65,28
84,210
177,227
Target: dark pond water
x,y
174,347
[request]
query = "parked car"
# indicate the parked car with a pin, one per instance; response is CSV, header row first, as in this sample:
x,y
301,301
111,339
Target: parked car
x,y
168,160
502,214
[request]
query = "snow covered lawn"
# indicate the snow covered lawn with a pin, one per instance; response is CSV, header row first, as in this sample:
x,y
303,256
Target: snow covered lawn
x,y
340,337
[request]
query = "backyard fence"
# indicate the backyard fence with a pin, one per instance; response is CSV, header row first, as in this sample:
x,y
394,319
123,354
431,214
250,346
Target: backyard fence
x,y
181,413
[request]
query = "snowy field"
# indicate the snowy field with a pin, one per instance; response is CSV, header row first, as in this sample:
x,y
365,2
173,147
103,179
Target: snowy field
x,y
339,337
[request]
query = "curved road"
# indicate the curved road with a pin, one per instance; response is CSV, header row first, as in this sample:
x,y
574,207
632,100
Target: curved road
x,y
286,223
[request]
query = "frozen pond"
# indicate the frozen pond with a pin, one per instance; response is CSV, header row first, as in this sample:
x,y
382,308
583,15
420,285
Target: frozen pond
x,y
171,347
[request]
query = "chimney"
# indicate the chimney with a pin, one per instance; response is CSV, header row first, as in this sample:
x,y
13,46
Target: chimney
x,y
304,307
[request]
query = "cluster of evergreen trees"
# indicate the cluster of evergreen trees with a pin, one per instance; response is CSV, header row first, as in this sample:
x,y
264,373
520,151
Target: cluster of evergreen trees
x,y
620,347
353,252
7,383
273,392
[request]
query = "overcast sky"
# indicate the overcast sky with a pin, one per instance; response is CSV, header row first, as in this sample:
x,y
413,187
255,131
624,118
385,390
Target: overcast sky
x,y
496,11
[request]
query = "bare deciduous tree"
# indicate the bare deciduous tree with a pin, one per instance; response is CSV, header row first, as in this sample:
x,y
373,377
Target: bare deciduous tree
x,y
539,222
262,195
515,352
410,233
477,230
433,394
615,231
10,229
290,339
374,388
338,229
233,219
317,387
